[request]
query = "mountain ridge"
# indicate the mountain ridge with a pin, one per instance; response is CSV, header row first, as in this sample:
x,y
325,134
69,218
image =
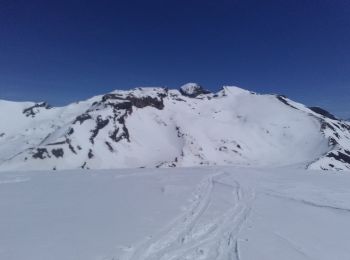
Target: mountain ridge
x,y
160,127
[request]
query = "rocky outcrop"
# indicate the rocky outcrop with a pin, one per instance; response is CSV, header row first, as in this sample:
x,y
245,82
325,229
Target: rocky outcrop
x,y
193,90
323,112
33,110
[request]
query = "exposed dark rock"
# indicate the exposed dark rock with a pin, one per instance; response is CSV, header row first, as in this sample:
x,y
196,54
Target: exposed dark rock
x,y
110,148
90,154
326,125
282,98
121,119
323,112
223,148
2,134
131,100
337,126
70,146
114,135
57,152
70,131
163,95
179,133
339,156
347,152
146,101
82,118
100,123
41,153
123,105
30,111
57,143
346,126
126,133
83,166
159,165
180,99
332,142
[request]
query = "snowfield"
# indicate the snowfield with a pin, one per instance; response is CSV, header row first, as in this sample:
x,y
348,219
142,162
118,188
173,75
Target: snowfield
x,y
182,213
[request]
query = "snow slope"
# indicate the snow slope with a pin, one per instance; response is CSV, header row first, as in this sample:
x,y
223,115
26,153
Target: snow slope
x,y
158,127
183,213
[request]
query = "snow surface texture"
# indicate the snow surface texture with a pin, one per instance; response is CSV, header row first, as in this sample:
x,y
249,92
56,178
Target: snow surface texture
x,y
158,127
175,214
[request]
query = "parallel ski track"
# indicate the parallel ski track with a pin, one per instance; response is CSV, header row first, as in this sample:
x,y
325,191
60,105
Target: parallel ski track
x,y
201,232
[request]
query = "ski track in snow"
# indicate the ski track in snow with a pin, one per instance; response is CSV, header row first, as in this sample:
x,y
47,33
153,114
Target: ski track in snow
x,y
208,229
307,202
14,180
218,213
297,248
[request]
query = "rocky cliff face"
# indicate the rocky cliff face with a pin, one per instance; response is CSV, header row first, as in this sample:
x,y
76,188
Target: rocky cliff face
x,y
158,127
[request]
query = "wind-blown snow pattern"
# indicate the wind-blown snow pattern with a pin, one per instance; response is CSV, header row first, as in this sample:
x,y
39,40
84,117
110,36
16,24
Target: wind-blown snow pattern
x,y
160,127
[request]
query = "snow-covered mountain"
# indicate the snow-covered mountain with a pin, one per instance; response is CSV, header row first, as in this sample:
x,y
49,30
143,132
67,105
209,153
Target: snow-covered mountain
x,y
160,127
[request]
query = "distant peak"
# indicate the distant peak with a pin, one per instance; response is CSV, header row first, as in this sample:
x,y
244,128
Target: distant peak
x,y
323,112
193,90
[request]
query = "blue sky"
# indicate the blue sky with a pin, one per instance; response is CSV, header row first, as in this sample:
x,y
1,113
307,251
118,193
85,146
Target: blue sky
x,y
63,51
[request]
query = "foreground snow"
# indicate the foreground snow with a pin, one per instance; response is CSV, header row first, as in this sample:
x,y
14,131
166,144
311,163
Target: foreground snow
x,y
189,213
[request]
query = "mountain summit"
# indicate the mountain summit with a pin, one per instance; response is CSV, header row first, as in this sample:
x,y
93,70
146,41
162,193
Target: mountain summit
x,y
160,127
193,90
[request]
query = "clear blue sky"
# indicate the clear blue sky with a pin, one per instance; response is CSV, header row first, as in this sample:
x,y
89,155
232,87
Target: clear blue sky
x,y
63,51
